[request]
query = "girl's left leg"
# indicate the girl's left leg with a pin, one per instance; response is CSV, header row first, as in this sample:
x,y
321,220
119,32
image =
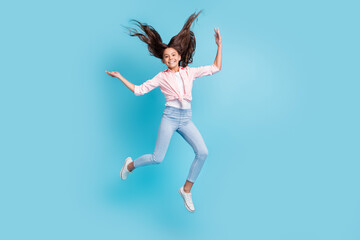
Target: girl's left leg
x,y
192,135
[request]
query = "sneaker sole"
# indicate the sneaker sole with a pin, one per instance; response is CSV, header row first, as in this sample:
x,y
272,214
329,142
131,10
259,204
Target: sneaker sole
x,y
122,169
185,202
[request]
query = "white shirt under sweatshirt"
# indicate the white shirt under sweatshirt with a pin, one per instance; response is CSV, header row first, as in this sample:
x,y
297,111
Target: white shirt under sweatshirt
x,y
176,103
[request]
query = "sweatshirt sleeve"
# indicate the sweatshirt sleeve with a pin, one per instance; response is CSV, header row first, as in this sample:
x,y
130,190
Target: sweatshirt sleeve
x,y
147,86
204,70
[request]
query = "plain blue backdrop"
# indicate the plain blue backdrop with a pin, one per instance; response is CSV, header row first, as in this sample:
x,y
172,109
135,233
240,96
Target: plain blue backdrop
x,y
281,122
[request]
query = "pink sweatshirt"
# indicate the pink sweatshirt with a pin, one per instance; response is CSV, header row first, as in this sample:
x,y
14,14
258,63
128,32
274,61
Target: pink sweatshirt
x,y
167,82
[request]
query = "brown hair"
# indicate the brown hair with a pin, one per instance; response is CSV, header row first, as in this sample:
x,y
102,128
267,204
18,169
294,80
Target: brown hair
x,y
184,42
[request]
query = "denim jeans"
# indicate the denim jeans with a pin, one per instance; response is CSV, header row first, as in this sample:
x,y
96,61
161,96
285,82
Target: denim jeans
x,y
179,120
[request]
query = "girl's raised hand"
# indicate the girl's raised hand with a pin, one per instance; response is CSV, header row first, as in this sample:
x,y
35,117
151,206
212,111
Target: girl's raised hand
x,y
114,74
217,36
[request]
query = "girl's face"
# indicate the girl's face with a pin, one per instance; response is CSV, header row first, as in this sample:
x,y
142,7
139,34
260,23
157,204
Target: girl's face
x,y
171,58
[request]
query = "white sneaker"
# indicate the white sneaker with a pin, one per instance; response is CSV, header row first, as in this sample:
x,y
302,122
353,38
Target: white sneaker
x,y
187,199
124,172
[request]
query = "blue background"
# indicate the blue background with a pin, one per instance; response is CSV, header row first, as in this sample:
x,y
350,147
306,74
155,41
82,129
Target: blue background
x,y
281,122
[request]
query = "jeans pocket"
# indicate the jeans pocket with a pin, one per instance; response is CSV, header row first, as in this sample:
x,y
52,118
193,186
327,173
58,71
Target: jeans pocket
x,y
170,111
167,112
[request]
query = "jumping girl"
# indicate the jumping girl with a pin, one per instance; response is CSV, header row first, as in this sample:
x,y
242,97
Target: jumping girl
x,y
176,84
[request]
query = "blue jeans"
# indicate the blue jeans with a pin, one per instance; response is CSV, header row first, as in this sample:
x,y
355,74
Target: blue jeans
x,y
176,119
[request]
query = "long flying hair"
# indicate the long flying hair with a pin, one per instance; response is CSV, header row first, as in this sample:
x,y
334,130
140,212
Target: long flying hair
x,y
184,42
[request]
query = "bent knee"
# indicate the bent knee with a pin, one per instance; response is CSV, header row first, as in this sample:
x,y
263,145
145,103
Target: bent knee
x,y
157,159
202,154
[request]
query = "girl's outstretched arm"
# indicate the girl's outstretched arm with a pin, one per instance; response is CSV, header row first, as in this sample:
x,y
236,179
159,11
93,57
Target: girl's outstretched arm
x,y
121,78
218,57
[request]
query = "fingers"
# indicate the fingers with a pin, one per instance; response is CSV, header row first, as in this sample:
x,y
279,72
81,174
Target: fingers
x,y
217,33
217,36
110,73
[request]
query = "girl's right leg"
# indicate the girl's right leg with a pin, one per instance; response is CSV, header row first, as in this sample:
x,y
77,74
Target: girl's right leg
x,y
165,132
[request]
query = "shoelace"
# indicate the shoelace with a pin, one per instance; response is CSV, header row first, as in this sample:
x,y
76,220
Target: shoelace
x,y
188,198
